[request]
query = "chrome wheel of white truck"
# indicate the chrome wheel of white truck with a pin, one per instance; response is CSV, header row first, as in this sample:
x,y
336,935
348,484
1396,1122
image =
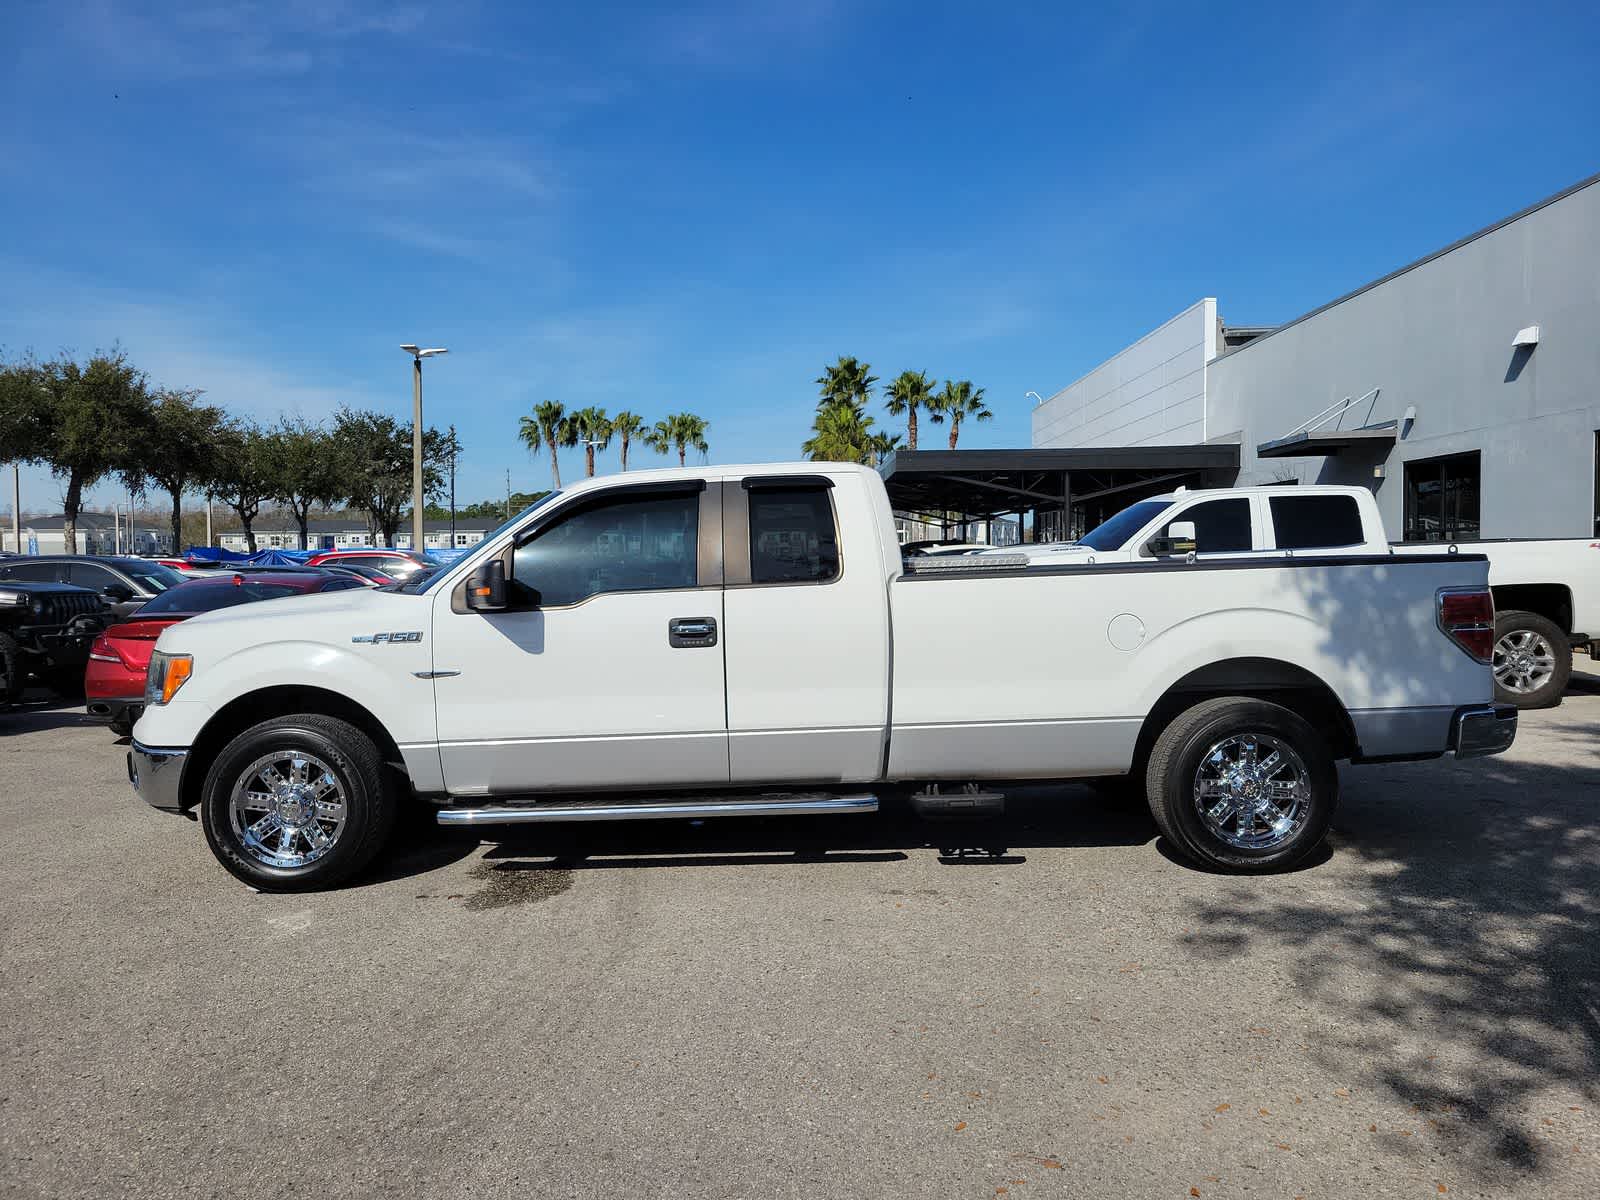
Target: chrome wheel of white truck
x,y
1238,784
297,803
1532,661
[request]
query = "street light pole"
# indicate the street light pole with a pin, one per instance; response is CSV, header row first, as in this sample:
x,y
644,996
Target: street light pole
x,y
416,439
452,487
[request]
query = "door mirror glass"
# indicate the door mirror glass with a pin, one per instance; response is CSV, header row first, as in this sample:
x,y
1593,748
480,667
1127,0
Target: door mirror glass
x,y
486,587
1178,539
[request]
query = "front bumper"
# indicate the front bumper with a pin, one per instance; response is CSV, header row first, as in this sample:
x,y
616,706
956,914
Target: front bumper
x,y
1483,729
156,773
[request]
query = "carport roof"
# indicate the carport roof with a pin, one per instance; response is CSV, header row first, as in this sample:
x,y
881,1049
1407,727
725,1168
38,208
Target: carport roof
x,y
987,483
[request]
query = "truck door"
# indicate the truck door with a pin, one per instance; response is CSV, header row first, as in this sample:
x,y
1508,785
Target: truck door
x,y
807,631
607,670
1224,528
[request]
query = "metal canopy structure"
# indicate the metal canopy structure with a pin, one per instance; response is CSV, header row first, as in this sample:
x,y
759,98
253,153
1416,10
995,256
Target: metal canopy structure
x,y
1318,443
1088,482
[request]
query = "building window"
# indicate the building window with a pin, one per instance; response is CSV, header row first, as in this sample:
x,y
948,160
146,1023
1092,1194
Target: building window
x,y
1442,498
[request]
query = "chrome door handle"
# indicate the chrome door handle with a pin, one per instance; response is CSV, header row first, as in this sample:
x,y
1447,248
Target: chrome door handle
x,y
687,633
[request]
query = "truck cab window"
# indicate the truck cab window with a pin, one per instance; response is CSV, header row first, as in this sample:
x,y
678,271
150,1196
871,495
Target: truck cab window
x,y
793,538
1316,522
1220,526
645,543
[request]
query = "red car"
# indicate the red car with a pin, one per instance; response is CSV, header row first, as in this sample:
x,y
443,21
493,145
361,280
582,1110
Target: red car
x,y
397,564
113,683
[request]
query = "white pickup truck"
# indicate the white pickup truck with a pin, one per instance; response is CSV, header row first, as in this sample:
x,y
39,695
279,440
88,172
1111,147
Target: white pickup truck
x,y
746,640
1546,591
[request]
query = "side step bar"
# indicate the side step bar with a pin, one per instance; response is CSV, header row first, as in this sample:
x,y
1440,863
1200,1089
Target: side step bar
x,y
787,806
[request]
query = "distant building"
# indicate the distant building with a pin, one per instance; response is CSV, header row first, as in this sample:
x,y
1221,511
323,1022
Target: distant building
x,y
98,533
1461,389
350,532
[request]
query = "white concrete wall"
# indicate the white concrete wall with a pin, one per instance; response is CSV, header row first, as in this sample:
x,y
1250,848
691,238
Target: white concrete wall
x,y
1153,393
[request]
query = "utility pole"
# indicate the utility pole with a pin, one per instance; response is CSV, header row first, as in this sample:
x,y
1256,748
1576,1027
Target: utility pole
x,y
508,493
16,505
208,519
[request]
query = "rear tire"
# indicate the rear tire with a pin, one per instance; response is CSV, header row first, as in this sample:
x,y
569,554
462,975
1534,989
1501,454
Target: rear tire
x,y
1532,660
1242,786
297,804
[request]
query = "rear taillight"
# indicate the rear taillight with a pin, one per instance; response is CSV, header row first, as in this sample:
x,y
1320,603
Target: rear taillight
x,y
102,651
1466,615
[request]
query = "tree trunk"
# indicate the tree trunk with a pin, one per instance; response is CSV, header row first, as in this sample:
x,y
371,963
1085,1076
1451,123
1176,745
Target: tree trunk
x,y
955,429
588,460
911,427
555,466
249,533
69,512
624,452
177,520
305,532
682,450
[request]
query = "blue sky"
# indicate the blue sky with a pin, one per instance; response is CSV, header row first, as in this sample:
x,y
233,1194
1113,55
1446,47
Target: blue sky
x,y
695,208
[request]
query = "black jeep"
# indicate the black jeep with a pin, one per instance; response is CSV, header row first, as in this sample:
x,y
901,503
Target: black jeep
x,y
45,633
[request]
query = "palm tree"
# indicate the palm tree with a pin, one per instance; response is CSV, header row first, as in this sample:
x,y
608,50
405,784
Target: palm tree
x,y
678,431
626,425
882,445
910,390
840,433
848,379
958,401
547,426
592,427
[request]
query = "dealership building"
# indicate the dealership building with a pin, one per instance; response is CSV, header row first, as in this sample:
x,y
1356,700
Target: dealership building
x,y
1463,389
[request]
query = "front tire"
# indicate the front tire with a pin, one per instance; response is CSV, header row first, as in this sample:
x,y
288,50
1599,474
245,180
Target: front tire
x,y
1241,785
297,804
1532,660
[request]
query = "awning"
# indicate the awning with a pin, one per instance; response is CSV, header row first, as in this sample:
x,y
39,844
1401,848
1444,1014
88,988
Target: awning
x,y
1376,439
980,484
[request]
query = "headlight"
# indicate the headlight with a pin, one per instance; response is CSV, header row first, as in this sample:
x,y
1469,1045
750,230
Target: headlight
x,y
167,673
9,597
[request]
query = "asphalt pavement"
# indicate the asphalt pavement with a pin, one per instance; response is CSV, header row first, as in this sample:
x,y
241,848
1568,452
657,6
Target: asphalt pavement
x,y
817,1008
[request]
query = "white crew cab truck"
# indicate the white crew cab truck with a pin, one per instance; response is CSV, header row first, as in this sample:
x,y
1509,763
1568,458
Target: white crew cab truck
x,y
1546,590
746,640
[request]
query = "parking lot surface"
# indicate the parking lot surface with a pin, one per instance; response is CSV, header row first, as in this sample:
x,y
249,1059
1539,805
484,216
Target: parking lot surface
x,y
698,1010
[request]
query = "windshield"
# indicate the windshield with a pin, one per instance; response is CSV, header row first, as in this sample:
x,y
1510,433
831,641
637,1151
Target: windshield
x,y
208,597
152,577
1112,534
426,578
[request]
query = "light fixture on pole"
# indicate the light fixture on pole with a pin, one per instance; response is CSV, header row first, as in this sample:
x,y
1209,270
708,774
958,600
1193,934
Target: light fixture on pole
x,y
1037,399
416,439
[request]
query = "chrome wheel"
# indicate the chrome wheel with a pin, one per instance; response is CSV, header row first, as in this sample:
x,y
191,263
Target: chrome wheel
x,y
1252,791
287,809
1523,662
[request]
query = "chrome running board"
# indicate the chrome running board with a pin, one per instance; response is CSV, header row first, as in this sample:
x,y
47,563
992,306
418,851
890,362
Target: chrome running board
x,y
787,806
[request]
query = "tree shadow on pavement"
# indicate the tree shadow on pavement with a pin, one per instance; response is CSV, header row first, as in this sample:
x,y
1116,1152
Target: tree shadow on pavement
x,y
1460,974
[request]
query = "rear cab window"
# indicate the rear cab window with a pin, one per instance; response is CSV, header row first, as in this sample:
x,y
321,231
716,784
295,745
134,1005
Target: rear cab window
x,y
1316,522
793,536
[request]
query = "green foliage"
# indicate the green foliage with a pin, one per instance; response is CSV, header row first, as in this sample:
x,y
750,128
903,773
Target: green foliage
x,y
245,473
81,420
305,470
178,449
679,431
957,402
910,391
592,427
848,379
626,426
547,426
372,453
842,432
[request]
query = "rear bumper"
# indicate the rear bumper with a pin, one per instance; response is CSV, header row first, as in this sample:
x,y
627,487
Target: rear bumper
x,y
156,773
1483,729
115,710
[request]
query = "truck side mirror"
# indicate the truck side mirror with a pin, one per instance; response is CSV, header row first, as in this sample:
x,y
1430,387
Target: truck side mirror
x,y
117,593
1179,539
486,587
